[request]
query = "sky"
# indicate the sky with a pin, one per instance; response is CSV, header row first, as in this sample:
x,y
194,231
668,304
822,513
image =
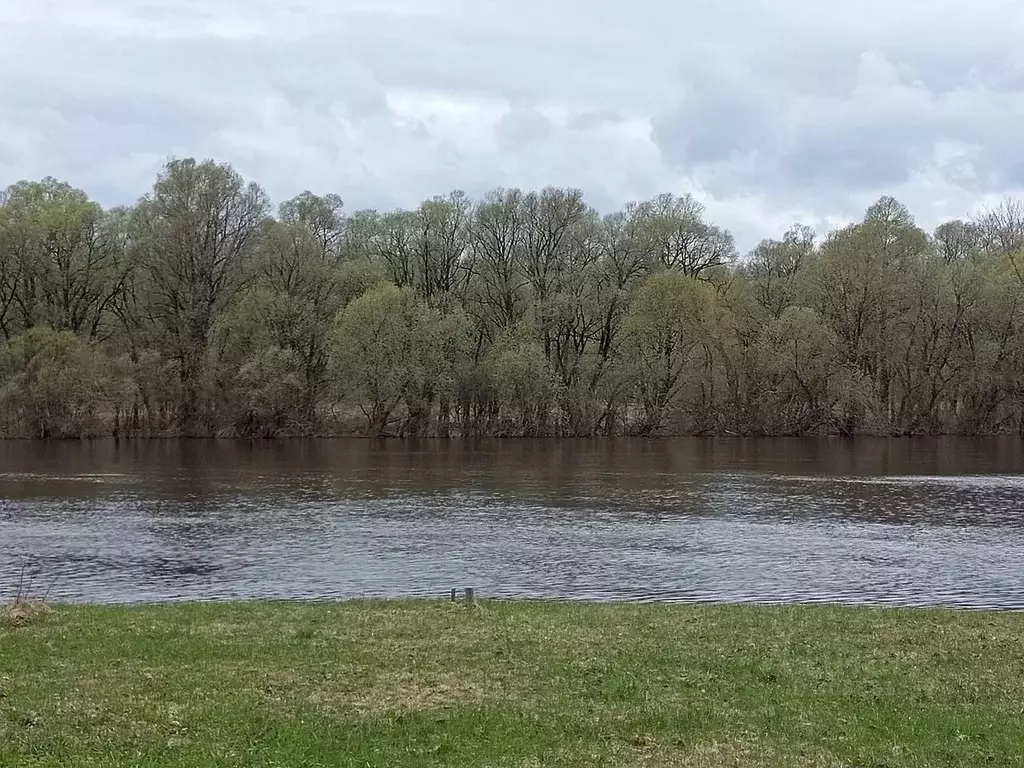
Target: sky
x,y
771,112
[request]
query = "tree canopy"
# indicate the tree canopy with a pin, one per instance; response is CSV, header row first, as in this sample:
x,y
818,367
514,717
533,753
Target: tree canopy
x,y
202,310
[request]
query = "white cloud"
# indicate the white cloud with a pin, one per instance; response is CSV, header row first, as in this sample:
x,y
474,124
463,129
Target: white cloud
x,y
768,111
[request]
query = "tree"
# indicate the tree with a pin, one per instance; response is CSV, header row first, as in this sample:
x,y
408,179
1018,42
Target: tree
x,y
860,286
1001,229
799,360
55,384
298,262
198,231
926,340
443,258
679,237
958,240
499,290
990,358
60,260
668,324
320,216
263,392
391,349
521,383
774,266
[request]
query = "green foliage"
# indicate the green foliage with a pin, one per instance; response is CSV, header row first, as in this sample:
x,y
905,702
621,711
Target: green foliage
x,y
392,348
263,391
668,330
260,373
800,363
54,384
60,261
522,383
523,312
197,233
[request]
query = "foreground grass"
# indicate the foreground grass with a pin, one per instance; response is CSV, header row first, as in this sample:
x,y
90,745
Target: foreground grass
x,y
417,684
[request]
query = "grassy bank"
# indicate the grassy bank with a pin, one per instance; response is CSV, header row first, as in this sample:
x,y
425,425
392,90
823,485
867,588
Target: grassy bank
x,y
410,684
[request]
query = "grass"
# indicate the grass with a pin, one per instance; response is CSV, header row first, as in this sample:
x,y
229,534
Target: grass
x,y
435,684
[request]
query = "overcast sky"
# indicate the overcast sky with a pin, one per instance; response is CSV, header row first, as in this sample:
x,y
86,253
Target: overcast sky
x,y
771,111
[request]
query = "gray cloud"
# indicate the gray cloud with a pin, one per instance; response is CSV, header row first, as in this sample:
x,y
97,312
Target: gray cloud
x,y
769,112
523,126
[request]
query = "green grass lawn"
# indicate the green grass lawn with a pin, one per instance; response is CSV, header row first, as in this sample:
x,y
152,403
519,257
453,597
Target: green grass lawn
x,y
416,684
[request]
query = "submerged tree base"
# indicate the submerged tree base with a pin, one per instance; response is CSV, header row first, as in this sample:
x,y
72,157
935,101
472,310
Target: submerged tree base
x,y
407,684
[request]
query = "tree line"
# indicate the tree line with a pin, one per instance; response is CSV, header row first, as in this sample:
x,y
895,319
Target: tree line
x,y
200,311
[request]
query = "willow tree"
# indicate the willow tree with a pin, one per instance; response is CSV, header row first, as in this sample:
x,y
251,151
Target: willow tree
x,y
774,267
799,372
499,291
860,284
680,238
668,328
321,217
927,342
395,358
521,385
55,384
60,260
958,240
300,265
558,263
443,260
989,385
197,232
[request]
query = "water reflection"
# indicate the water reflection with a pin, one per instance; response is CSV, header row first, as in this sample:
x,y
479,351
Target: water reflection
x,y
914,522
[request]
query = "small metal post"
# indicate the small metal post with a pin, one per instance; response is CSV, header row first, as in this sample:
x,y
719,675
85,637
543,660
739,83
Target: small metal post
x,y
454,594
469,595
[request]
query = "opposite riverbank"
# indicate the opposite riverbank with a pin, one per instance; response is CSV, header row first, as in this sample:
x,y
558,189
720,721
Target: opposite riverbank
x,y
510,684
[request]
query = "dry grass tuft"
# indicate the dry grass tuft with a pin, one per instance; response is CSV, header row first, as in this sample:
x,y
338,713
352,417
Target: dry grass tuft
x,y
25,609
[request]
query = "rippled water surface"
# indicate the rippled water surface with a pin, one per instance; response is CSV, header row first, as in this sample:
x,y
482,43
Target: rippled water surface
x,y
912,522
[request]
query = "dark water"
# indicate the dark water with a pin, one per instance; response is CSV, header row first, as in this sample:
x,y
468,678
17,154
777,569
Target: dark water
x,y
912,522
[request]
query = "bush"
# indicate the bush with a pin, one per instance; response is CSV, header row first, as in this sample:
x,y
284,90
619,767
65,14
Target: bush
x,y
54,385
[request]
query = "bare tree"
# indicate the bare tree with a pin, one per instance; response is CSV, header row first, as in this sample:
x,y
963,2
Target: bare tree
x,y
958,240
681,239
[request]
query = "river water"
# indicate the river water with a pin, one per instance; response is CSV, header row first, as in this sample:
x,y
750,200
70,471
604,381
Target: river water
x,y
867,521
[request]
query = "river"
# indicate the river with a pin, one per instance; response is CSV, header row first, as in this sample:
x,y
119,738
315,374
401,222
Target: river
x,y
865,521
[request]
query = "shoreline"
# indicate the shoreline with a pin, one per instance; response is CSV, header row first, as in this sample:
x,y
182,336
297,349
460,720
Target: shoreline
x,y
482,600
